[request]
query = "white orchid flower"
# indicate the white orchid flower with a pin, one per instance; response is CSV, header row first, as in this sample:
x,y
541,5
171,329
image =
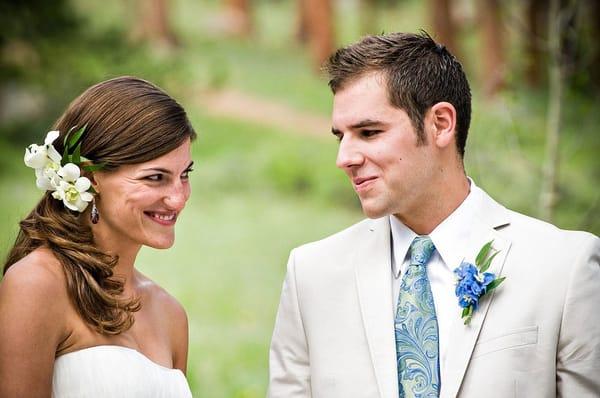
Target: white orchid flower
x,y
74,194
72,188
70,172
51,137
66,182
52,152
36,156
47,177
45,184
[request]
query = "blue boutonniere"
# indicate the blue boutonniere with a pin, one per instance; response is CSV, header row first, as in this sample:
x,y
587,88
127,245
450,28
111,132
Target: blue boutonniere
x,y
473,282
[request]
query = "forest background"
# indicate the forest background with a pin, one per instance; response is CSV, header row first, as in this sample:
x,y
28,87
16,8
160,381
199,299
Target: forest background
x,y
247,73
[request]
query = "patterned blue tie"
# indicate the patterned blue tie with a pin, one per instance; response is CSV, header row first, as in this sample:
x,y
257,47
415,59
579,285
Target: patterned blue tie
x,y
416,328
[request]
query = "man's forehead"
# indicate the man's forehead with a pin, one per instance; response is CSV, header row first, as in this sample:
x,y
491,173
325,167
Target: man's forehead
x,y
363,99
367,80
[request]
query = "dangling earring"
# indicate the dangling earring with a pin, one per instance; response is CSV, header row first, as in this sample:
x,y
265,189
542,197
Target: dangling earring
x,y
94,215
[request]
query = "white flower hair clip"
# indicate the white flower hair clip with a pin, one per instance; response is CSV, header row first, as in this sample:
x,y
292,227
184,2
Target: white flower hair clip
x,y
62,174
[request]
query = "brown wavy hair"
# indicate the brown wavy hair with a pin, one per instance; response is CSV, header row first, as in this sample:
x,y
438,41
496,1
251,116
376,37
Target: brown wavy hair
x,y
128,120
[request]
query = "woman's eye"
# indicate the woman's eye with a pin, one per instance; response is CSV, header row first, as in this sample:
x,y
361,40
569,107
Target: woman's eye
x,y
154,177
186,174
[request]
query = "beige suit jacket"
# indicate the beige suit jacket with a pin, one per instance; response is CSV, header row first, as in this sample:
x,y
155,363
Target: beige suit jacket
x,y
537,335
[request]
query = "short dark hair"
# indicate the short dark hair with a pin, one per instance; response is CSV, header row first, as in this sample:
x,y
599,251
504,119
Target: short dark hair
x,y
419,73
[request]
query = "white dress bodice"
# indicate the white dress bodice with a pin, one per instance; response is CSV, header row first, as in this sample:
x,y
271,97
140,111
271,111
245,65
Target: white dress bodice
x,y
115,371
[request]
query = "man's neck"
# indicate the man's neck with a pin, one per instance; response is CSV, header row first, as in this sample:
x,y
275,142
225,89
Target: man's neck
x,y
437,207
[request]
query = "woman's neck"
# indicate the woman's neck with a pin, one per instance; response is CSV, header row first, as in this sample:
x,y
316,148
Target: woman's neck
x,y
125,251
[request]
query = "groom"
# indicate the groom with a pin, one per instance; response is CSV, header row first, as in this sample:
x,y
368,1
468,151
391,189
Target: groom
x,y
372,312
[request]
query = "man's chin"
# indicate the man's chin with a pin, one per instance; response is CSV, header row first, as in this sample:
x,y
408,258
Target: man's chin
x,y
373,212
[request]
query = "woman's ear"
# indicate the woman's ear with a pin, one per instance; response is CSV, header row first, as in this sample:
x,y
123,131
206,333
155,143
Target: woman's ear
x,y
93,177
442,118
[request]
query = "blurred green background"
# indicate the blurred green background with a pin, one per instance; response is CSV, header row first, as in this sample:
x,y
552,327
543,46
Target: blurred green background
x,y
265,178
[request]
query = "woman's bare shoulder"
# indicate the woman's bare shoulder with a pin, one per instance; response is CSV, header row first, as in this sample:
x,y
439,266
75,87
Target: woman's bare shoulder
x,y
39,273
33,321
160,299
34,302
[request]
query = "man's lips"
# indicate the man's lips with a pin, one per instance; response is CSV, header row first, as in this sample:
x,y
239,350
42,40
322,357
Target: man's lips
x,y
162,217
362,183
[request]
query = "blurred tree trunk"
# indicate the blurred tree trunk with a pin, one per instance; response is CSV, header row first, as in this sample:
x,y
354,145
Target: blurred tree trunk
x,y
319,24
239,17
554,118
537,18
154,26
301,22
594,46
493,74
368,16
443,24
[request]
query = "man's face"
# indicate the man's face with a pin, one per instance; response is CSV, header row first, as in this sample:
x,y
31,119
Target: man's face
x,y
378,150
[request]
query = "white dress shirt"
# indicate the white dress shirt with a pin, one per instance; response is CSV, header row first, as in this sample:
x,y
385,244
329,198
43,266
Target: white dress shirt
x,y
452,239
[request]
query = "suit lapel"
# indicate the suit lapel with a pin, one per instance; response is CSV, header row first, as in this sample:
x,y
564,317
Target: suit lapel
x,y
374,285
464,337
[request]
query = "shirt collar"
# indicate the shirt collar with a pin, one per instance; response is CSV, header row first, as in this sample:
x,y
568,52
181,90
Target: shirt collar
x,y
452,237
402,237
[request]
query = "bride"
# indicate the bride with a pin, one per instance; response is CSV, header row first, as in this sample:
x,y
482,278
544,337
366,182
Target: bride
x,y
76,317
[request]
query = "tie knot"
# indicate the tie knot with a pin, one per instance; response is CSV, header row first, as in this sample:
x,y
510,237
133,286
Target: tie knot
x,y
421,250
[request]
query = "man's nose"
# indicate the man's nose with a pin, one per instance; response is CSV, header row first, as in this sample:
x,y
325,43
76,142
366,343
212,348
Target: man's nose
x,y
349,154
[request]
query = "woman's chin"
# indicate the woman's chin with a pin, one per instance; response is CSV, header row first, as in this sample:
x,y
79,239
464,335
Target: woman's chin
x,y
161,244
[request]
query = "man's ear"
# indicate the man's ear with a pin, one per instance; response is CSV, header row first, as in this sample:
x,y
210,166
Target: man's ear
x,y
442,119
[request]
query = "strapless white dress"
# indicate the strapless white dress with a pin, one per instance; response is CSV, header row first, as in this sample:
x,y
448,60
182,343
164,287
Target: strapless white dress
x,y
116,372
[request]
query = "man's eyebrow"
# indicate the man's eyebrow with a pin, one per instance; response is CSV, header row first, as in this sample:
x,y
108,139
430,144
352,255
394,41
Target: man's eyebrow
x,y
366,123
359,125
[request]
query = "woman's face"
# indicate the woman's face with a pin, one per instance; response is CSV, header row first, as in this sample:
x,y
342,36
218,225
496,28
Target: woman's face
x,y
139,204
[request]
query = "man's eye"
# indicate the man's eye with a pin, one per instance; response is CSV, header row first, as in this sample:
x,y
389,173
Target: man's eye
x,y
369,133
